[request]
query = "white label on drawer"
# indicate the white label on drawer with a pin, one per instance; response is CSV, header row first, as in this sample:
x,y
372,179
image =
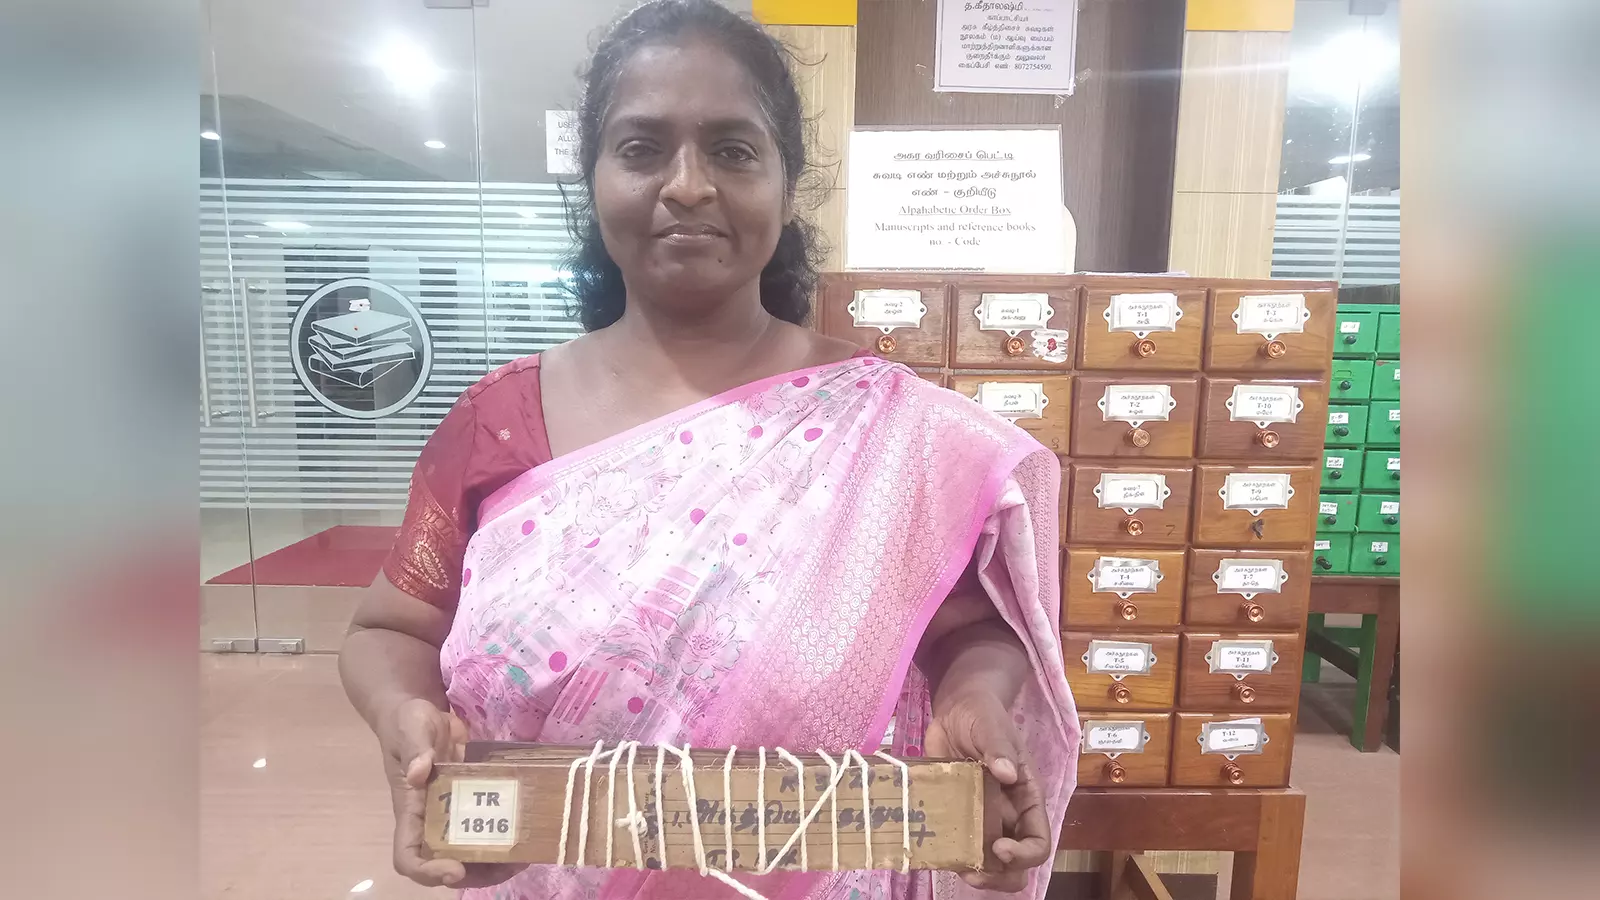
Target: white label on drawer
x,y
1394,463
1254,493
1240,737
1264,404
1349,327
1241,658
1013,313
483,812
1396,373
1137,404
1338,418
1132,492
1328,509
887,310
1013,399
1114,738
1050,344
1125,577
1335,462
1119,658
1270,315
1389,508
1380,546
1250,576
1142,313
1394,414
1322,545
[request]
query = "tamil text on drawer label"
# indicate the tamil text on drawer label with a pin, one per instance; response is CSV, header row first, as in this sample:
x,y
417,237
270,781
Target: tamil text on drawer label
x,y
1380,547
1119,658
1270,315
1324,545
1142,314
1389,508
1394,414
1125,577
1351,326
887,309
1137,404
1241,658
1254,493
1249,577
1338,418
1335,462
1131,492
1328,509
1238,737
1114,738
1264,404
1014,399
1394,464
1014,313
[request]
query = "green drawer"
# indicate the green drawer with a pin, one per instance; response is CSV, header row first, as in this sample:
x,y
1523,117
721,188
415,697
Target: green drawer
x,y
1352,380
1381,471
1358,333
1388,345
1375,554
1337,513
1347,426
1385,379
1331,554
1383,423
1341,470
1378,513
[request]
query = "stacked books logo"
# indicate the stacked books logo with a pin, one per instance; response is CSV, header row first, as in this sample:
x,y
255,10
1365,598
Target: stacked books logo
x,y
361,348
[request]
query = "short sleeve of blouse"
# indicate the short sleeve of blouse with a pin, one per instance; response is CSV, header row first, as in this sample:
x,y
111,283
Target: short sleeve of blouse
x,y
425,561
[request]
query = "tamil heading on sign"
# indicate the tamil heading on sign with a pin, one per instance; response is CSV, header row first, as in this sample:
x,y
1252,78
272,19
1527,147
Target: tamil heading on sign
x,y
1006,46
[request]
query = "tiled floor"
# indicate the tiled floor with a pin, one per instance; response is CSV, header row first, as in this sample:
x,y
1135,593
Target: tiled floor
x,y
313,822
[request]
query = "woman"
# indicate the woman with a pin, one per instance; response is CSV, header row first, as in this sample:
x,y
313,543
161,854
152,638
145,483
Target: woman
x,y
701,522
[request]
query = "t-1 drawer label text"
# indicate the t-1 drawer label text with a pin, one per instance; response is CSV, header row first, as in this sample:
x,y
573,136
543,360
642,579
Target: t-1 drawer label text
x,y
1125,577
1250,576
1142,313
1264,404
1119,658
1013,313
1240,737
1132,492
1270,315
1137,404
887,310
1241,658
483,812
1114,738
1255,493
1014,400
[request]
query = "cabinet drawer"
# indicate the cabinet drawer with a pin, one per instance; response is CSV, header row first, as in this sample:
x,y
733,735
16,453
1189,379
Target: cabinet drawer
x,y
1226,514
1139,506
1351,379
1105,761
1127,687
1383,423
1330,554
1064,502
1341,470
1015,327
1381,471
932,376
900,317
1263,419
1123,588
1375,554
1357,333
1336,513
1261,758
1386,379
1214,683
1270,332
1389,335
1260,589
1039,404
1136,330
1347,426
1379,513
1135,418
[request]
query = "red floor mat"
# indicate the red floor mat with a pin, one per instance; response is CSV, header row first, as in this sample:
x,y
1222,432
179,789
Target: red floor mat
x,y
342,556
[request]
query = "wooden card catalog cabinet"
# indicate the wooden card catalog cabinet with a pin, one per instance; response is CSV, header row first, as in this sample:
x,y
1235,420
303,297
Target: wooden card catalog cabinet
x,y
1015,326
1135,418
1127,750
1038,404
1136,329
1263,419
1231,751
1128,588
1271,332
1248,588
899,317
1124,671
1140,506
1255,506
1239,671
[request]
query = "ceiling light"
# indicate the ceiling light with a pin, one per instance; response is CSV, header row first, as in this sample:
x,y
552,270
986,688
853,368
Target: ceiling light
x,y
409,67
286,226
433,145
210,135
260,763
1346,160
362,886
1349,62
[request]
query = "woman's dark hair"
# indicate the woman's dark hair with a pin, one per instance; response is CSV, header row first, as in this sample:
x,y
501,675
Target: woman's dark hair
x,y
790,276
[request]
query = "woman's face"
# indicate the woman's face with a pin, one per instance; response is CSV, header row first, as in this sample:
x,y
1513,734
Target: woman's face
x,y
688,184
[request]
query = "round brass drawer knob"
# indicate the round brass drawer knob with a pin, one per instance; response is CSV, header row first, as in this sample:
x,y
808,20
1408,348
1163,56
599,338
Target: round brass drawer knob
x,y
1014,346
1127,610
1115,773
1233,773
1244,693
1138,437
887,344
1254,612
1120,693
1268,439
1145,347
1274,350
1134,527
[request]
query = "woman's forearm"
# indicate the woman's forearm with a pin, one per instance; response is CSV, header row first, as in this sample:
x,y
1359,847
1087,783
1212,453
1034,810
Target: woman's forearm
x,y
983,656
382,668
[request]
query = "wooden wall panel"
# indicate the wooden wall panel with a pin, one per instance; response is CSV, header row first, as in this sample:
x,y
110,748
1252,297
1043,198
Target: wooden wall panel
x,y
825,73
1119,129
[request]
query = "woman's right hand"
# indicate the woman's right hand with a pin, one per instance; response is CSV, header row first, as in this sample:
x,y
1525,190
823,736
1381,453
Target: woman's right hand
x,y
418,734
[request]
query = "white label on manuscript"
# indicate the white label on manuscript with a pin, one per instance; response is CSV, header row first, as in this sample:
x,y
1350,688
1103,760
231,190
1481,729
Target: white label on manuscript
x,y
1137,404
1013,313
1338,418
1132,492
1252,492
1240,658
1114,737
1143,313
1394,463
1264,404
1013,399
1235,738
1119,658
887,310
1270,315
1389,508
1380,546
1328,509
483,812
1349,327
1125,577
1250,576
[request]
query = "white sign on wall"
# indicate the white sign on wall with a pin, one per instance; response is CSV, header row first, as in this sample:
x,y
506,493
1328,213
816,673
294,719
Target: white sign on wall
x,y
983,201
1006,46
560,142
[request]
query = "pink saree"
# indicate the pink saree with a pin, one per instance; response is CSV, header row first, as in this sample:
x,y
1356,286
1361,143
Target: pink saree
x,y
758,569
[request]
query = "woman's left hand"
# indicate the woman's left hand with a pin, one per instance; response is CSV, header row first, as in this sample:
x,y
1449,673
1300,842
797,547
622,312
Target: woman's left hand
x,y
972,723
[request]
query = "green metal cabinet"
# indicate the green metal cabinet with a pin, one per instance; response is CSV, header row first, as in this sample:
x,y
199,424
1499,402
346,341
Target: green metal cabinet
x,y
1331,554
1381,471
1336,513
1383,423
1358,333
1385,379
1375,554
1376,513
1388,345
1347,426
1352,380
1341,470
